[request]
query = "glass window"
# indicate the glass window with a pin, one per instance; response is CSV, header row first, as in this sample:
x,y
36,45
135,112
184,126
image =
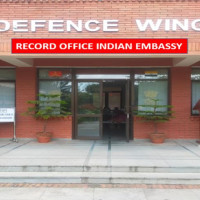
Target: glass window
x,y
7,88
7,74
151,84
195,76
53,84
7,97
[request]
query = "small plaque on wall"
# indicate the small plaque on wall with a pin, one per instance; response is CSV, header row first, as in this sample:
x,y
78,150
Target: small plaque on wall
x,y
151,73
55,73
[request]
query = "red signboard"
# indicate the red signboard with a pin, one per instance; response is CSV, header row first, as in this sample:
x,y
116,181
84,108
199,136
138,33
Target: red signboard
x,y
100,46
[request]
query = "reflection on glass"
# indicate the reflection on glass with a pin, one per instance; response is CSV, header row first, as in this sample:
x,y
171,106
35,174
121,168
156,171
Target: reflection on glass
x,y
195,95
195,74
88,98
7,95
63,88
88,126
54,74
7,74
114,100
152,74
103,76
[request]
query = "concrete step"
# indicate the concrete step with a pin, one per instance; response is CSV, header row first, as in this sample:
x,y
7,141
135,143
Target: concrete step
x,y
152,169
100,177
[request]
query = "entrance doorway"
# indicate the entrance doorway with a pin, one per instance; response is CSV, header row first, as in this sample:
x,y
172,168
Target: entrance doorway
x,y
114,109
102,108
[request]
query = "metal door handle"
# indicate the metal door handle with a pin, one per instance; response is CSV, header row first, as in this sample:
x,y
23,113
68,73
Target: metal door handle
x,y
127,114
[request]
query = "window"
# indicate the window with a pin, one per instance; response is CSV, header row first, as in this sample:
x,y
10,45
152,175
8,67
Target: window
x,y
150,84
195,76
7,88
56,81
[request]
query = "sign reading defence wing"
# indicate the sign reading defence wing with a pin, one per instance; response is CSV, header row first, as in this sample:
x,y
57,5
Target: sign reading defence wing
x,y
7,114
94,25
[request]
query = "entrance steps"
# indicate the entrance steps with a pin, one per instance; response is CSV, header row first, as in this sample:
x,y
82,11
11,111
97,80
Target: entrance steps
x,y
100,174
130,169
136,162
100,177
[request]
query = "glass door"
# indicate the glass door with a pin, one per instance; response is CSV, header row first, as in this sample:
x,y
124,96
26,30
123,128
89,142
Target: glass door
x,y
88,123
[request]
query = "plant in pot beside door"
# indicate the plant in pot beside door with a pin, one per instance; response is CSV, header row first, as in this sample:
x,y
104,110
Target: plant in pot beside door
x,y
49,106
156,113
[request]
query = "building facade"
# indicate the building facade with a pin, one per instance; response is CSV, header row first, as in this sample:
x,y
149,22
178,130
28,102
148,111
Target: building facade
x,y
101,90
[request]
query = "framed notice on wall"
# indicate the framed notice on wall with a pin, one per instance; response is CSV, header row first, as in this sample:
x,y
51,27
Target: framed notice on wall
x,y
7,115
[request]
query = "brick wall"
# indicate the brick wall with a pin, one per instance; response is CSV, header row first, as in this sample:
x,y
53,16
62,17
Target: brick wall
x,y
125,11
183,125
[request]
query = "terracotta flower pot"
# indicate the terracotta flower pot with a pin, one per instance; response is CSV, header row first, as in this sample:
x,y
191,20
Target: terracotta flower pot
x,y
43,137
157,138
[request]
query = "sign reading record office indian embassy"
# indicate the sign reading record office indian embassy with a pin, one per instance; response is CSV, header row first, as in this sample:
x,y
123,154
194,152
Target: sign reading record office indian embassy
x,y
147,45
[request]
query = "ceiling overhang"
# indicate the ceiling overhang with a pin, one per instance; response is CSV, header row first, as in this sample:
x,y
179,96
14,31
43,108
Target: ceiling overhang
x,y
100,59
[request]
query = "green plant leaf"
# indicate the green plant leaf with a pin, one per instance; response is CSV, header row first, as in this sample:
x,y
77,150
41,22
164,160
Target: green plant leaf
x,y
49,106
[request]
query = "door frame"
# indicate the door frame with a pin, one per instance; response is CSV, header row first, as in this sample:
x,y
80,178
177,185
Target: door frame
x,y
129,131
127,109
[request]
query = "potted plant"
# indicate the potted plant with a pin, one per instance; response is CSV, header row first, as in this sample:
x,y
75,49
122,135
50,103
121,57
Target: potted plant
x,y
155,113
48,106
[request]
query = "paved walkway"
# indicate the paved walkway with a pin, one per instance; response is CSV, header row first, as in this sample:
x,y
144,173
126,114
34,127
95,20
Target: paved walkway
x,y
138,155
62,152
